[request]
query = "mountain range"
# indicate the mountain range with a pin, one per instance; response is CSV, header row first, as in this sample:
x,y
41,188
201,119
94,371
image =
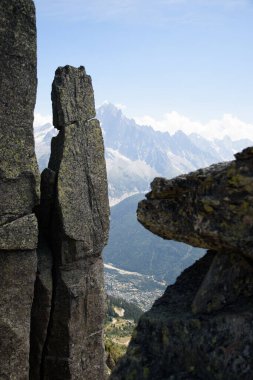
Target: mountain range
x,y
135,154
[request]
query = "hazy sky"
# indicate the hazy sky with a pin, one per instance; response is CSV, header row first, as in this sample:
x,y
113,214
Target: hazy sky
x,y
162,59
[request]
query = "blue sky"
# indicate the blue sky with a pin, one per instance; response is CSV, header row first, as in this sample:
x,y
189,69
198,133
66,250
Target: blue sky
x,y
156,57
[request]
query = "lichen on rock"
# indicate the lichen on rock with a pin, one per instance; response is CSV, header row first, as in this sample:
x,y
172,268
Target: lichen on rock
x,y
19,184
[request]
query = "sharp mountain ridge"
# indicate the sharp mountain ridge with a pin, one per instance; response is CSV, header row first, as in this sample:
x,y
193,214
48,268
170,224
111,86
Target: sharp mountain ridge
x,y
135,154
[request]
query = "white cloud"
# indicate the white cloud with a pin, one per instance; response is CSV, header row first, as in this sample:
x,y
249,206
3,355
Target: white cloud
x,y
40,119
228,125
121,106
171,122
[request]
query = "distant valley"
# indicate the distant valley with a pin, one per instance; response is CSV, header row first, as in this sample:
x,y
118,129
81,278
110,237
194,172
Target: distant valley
x,y
138,264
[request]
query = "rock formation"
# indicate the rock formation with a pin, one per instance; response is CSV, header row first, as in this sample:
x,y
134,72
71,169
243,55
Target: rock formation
x,y
74,221
201,328
19,181
52,300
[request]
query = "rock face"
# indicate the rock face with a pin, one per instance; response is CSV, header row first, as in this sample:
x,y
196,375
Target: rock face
x,y
210,208
74,222
18,184
201,328
52,300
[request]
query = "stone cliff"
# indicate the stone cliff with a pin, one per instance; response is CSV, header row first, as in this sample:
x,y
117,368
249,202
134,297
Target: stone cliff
x,y
51,291
19,182
201,328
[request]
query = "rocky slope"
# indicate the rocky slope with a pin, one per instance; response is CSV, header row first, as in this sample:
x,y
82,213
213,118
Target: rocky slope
x,y
19,181
121,319
201,328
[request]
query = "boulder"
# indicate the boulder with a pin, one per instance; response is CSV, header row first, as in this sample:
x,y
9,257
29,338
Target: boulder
x,y
209,208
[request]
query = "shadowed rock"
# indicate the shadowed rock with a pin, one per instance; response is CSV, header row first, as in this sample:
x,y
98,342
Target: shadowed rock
x,y
201,327
171,343
77,217
43,290
18,184
230,277
41,308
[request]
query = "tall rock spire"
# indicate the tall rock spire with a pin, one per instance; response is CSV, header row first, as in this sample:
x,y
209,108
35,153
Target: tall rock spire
x,y
19,180
78,225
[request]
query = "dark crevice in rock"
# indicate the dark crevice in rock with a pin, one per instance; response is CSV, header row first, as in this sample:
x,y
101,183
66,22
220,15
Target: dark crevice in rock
x,y
41,309
43,302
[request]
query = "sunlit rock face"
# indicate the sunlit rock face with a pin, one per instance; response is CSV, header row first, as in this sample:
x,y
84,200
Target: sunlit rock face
x,y
210,208
201,328
19,182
